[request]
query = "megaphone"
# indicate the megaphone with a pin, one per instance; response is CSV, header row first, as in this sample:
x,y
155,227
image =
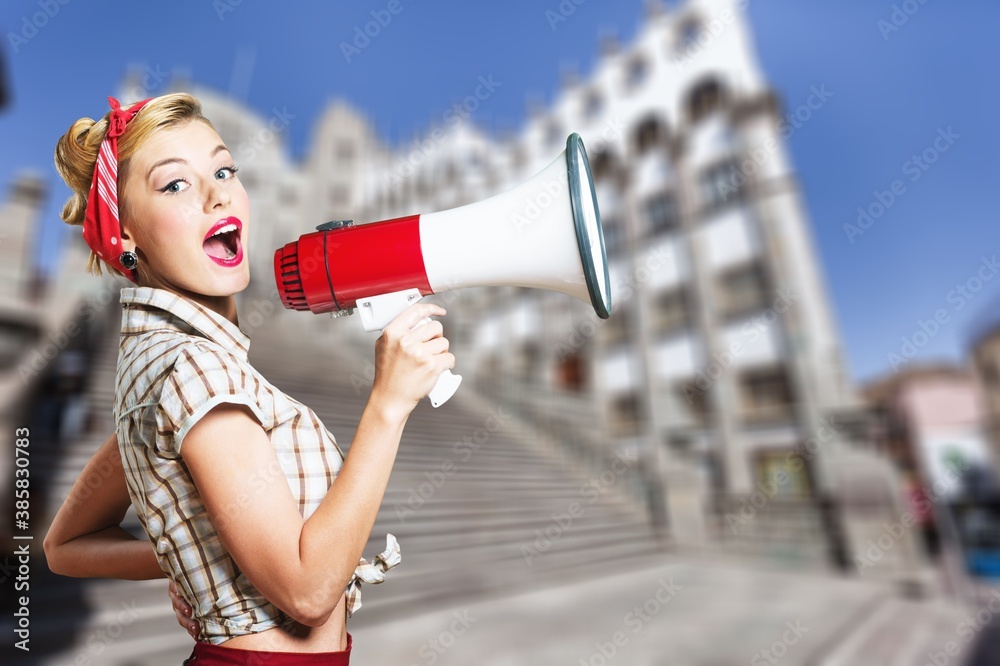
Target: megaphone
x,y
545,233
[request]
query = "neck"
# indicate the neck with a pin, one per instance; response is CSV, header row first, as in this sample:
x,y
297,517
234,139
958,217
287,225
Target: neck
x,y
224,306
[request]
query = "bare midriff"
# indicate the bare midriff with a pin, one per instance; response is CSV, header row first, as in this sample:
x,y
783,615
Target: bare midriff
x,y
295,637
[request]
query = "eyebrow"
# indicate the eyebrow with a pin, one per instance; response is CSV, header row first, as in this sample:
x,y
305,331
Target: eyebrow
x,y
177,160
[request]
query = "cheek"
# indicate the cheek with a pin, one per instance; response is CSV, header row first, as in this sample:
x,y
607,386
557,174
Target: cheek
x,y
166,229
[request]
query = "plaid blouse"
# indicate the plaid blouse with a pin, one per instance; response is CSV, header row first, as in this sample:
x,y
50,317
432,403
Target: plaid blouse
x,y
176,362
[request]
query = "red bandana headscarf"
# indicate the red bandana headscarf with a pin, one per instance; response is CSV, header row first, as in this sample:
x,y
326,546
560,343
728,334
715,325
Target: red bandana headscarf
x,y
101,227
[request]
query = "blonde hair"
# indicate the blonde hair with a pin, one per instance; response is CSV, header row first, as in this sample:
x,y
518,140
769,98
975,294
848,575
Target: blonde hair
x,y
76,153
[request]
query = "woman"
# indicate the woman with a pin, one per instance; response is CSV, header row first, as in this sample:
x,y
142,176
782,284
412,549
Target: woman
x,y
231,479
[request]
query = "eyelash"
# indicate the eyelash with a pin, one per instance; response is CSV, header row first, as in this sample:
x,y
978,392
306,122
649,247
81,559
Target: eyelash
x,y
232,168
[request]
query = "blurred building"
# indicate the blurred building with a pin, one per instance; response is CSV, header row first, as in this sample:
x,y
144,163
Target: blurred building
x,y
984,349
721,359
929,420
720,371
719,376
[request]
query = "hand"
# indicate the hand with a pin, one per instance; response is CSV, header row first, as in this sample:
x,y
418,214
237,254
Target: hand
x,y
408,360
183,611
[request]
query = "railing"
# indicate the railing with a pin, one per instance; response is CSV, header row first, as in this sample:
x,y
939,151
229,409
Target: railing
x,y
789,531
573,422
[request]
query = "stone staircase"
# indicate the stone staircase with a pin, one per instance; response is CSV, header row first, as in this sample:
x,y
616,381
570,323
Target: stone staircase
x,y
480,504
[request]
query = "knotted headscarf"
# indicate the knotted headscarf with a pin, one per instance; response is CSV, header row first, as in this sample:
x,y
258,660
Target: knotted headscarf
x,y
101,226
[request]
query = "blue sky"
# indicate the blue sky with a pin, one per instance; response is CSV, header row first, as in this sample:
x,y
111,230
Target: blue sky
x,y
892,93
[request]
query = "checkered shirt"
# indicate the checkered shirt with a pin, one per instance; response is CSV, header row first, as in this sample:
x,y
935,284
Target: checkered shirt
x,y
178,360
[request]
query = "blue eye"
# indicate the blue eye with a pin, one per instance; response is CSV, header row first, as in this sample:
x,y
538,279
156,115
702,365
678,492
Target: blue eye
x,y
173,187
232,169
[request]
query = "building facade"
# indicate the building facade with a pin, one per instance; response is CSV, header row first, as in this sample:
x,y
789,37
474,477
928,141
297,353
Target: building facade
x,y
719,376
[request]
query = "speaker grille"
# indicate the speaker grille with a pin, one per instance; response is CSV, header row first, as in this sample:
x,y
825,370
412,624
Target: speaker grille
x,y
286,273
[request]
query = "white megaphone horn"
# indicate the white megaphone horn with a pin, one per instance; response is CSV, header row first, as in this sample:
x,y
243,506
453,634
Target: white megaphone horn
x,y
545,233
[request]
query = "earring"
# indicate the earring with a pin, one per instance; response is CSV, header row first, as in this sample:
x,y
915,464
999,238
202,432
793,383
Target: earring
x,y
129,260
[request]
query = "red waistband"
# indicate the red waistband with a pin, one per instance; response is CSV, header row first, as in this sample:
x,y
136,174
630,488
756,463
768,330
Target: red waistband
x,y
207,654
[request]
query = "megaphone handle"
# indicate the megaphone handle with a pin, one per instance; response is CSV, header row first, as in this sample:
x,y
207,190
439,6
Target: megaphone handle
x,y
378,311
447,382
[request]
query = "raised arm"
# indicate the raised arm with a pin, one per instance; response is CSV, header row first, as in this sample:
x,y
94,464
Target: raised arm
x,y
303,566
85,539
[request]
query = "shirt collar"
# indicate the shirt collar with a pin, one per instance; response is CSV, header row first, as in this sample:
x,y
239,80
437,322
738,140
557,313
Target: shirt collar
x,y
149,308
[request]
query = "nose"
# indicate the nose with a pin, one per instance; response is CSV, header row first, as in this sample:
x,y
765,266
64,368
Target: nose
x,y
218,196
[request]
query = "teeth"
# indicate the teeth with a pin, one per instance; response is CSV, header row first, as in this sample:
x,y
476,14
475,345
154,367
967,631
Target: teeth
x,y
226,229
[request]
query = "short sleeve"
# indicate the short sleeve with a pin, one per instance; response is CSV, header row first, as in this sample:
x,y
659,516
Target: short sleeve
x,y
203,377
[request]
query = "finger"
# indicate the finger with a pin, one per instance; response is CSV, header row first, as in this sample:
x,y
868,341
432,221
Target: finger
x,y
409,317
447,361
436,346
428,330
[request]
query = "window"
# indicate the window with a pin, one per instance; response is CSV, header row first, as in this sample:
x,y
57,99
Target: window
x,y
554,134
671,312
704,99
649,133
636,72
526,361
765,396
616,329
626,415
988,370
614,236
784,470
721,184
696,401
600,165
688,35
742,290
662,214
593,104
570,372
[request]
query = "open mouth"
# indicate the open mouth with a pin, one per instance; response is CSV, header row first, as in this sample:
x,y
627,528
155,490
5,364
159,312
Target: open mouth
x,y
223,243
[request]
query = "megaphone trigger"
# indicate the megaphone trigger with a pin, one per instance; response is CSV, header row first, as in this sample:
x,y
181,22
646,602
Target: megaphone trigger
x,y
376,313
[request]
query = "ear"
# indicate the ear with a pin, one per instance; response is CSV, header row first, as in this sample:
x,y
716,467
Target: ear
x,y
127,238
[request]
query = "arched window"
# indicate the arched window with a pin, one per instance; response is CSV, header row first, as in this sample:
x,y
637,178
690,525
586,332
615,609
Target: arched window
x,y
593,104
649,133
705,98
636,72
687,35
